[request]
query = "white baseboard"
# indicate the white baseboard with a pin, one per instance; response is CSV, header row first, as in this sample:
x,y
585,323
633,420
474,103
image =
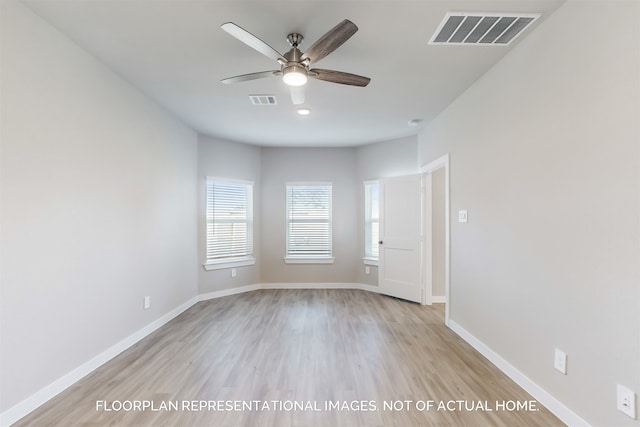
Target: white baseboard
x,y
315,286
23,408
551,403
360,286
228,292
257,286
307,285
437,299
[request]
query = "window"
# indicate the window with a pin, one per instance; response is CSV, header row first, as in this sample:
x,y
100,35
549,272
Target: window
x,y
309,238
371,220
229,224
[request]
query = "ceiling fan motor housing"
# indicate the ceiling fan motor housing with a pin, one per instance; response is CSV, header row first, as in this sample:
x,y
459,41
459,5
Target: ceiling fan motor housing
x,y
294,71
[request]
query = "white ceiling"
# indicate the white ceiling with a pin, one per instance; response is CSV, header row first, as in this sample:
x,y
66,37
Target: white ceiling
x,y
176,53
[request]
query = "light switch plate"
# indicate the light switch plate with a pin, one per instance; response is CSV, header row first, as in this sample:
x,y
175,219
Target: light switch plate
x,y
462,215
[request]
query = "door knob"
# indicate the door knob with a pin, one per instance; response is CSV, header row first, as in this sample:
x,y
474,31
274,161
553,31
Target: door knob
x,y
380,242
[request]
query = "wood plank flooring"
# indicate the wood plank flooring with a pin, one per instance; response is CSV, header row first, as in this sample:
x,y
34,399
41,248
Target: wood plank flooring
x,y
351,349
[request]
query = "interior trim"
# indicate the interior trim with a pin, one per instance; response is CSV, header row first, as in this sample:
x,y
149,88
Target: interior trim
x,y
565,414
39,398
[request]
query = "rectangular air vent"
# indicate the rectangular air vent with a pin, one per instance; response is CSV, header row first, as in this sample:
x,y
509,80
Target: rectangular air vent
x,y
263,99
486,29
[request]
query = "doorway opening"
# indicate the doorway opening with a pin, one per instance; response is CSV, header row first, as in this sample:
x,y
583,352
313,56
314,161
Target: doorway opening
x,y
436,232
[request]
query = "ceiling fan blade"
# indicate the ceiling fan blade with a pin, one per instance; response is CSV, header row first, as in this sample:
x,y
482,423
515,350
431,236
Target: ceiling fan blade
x,y
330,41
251,76
339,77
297,94
252,41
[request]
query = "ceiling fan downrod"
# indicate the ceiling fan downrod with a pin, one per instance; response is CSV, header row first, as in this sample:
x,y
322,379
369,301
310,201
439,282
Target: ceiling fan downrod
x,y
295,39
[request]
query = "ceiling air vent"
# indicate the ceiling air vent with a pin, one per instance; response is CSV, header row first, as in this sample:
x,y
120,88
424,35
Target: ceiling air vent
x,y
263,99
488,29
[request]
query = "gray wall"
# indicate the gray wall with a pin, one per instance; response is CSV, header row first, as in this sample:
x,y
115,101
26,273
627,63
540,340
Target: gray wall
x,y
270,169
98,207
224,159
388,159
544,155
336,165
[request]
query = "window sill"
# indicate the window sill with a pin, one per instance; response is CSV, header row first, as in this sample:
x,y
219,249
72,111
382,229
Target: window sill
x,y
370,261
229,263
329,260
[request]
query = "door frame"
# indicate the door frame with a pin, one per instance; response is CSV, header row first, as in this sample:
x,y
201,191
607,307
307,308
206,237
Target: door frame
x,y
442,162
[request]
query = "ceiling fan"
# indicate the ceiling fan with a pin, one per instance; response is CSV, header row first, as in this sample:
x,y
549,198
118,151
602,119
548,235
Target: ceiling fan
x,y
295,65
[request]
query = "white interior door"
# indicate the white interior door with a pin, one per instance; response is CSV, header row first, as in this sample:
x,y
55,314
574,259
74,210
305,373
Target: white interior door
x,y
400,237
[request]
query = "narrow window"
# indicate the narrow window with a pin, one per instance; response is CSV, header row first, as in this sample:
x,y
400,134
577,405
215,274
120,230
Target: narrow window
x,y
371,219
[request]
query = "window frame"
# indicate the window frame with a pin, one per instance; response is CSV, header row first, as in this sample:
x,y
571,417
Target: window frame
x,y
230,261
291,258
370,255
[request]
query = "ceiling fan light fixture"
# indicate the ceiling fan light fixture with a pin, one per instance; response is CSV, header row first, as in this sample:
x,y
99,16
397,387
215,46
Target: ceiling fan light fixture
x,y
294,75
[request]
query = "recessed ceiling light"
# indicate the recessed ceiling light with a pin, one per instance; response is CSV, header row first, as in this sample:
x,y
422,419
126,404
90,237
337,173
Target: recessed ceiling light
x,y
415,122
304,111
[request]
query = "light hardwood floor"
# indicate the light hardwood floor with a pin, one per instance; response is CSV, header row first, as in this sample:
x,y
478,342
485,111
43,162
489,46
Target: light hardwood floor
x,y
305,347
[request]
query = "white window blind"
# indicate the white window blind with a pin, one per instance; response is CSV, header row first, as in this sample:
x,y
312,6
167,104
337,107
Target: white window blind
x,y
309,220
229,220
371,219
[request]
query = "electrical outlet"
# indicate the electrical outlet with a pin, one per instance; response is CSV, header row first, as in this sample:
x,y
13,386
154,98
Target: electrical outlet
x,y
147,302
233,272
462,216
367,270
560,361
626,401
